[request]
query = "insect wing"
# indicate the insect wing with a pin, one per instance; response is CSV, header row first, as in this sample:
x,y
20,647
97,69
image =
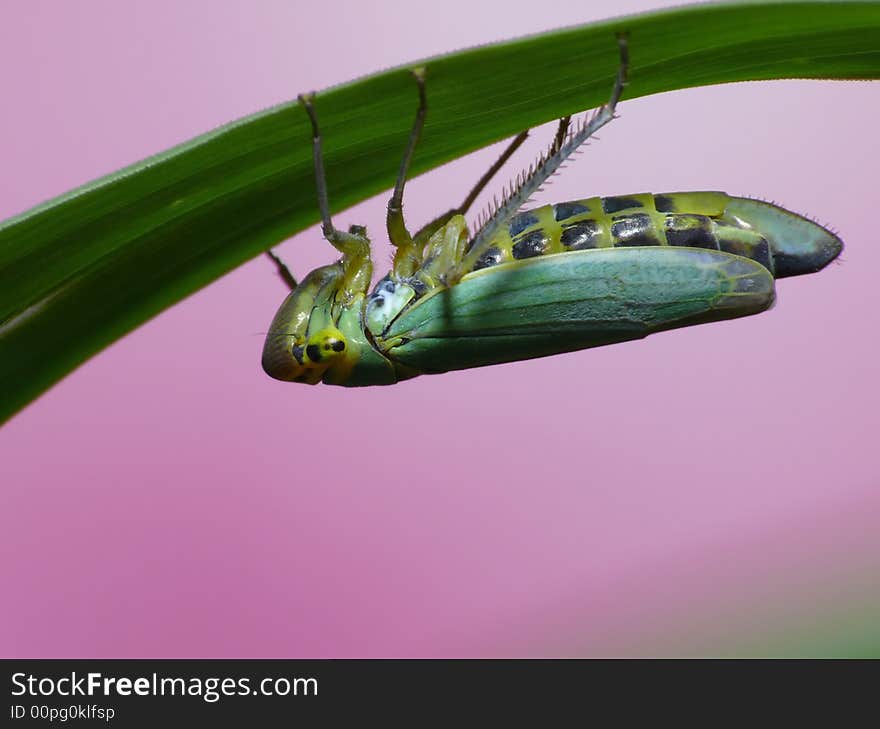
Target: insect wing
x,y
571,301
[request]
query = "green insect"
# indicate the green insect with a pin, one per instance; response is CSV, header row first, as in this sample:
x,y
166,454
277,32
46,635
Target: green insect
x,y
528,284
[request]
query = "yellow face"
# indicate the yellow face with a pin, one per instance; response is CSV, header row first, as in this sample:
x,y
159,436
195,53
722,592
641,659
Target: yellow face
x,y
289,358
322,350
309,342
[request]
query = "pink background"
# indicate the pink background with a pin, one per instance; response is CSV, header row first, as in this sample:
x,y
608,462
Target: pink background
x,y
706,491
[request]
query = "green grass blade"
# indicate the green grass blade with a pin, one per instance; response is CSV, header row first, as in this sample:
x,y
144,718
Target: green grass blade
x,y
81,270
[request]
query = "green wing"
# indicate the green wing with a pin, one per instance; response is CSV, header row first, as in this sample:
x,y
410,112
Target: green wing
x,y
570,301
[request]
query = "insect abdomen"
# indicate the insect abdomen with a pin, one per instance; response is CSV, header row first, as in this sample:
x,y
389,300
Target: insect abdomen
x,y
710,220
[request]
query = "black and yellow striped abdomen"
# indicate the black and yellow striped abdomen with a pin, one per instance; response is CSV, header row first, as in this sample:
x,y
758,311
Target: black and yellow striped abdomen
x,y
689,219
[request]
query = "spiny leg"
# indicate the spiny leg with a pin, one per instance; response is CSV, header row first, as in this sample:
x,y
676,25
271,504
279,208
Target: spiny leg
x,y
443,241
408,256
559,151
444,252
354,244
561,131
283,270
515,144
428,230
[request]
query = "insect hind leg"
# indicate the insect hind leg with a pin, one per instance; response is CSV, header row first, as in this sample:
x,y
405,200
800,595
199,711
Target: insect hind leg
x,y
443,241
563,146
428,230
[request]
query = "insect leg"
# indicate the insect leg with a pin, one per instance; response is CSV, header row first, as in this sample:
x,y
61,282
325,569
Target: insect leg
x,y
354,244
563,146
490,173
283,270
408,256
446,238
561,131
428,230
442,242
